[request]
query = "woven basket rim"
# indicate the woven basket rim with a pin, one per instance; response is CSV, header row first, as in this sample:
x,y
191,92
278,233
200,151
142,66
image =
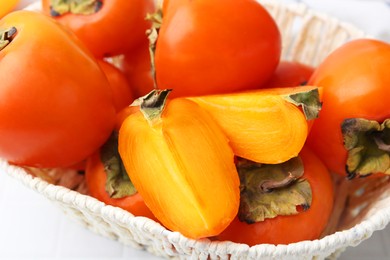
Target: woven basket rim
x,y
339,239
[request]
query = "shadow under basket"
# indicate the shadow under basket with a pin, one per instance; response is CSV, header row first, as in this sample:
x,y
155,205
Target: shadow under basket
x,y
362,206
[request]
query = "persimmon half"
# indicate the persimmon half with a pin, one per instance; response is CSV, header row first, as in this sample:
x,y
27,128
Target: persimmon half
x,y
181,163
267,125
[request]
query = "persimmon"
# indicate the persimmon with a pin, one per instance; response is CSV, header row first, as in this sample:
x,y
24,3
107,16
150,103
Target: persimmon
x,y
121,91
351,136
57,105
107,28
211,47
307,224
136,66
181,163
290,74
266,125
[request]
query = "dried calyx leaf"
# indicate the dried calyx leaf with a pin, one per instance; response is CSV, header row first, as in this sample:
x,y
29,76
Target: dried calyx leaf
x,y
152,33
152,105
118,184
82,7
6,36
368,146
270,190
308,100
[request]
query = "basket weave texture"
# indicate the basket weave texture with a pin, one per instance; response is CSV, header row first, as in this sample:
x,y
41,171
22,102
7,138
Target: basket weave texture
x,y
362,206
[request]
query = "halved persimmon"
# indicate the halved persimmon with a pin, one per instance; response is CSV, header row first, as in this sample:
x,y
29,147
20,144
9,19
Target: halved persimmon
x,y
267,125
181,163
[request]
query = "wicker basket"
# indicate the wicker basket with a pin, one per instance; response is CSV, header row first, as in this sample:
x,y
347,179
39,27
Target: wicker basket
x,y
362,206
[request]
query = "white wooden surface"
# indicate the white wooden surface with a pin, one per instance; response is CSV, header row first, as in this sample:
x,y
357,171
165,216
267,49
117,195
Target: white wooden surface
x,y
24,214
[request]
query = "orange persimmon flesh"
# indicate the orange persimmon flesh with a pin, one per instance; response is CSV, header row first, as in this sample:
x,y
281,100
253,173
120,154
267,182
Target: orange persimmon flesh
x,y
261,125
183,167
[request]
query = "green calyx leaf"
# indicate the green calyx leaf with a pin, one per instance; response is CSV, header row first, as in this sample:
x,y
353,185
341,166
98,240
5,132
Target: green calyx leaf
x,y
152,105
270,190
82,7
368,146
6,36
118,184
308,100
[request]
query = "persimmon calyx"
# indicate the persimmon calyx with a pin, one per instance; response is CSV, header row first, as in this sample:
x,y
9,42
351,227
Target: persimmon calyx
x,y
83,7
6,36
270,190
270,185
152,105
368,146
118,184
308,100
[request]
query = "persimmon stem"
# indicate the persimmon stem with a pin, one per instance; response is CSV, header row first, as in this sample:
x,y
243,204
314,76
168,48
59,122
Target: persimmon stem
x,y
152,105
270,185
6,37
84,7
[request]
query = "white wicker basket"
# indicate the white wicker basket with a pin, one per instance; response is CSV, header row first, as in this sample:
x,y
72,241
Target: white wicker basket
x,y
307,37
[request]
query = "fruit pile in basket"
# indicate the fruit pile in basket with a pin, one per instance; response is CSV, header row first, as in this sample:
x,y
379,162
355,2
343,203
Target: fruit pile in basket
x,y
186,114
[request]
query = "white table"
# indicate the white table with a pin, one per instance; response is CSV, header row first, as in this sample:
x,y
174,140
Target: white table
x,y
32,228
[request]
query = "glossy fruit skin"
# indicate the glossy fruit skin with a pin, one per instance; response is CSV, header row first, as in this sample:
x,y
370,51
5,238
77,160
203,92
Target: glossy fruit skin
x,y
306,225
95,176
136,66
355,81
183,168
7,6
118,27
122,93
56,104
220,46
290,74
